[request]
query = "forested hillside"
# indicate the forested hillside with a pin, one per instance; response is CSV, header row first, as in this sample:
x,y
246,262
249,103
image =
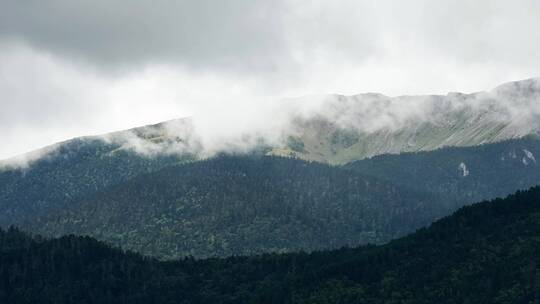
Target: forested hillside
x,y
234,205
250,204
485,253
465,174
74,170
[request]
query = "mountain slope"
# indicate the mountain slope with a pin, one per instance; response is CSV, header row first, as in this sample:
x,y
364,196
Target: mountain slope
x,y
91,170
244,205
485,253
339,129
71,170
348,128
464,174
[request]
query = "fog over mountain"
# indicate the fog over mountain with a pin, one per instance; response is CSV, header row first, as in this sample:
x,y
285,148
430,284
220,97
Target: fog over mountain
x,y
83,68
282,151
339,129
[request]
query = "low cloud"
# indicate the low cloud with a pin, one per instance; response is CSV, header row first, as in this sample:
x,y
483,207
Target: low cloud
x,y
224,129
514,106
92,67
24,161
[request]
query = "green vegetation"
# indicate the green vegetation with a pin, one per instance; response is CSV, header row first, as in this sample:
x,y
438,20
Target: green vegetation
x,y
233,205
485,253
79,168
239,205
465,174
295,144
326,141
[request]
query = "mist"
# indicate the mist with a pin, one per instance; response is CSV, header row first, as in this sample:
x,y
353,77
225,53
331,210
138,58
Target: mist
x,y
513,107
240,75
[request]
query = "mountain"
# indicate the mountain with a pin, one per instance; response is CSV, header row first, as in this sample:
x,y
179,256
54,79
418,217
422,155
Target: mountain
x,y
484,253
338,129
56,190
237,205
348,128
464,174
233,205
79,167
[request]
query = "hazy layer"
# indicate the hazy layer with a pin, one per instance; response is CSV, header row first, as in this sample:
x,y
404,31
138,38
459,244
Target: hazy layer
x,y
338,129
92,67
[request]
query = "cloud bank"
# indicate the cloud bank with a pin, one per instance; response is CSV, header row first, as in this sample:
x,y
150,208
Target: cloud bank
x,y
88,67
511,110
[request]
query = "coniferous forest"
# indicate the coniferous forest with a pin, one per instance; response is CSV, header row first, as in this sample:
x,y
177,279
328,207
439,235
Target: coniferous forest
x,y
269,152
485,253
171,207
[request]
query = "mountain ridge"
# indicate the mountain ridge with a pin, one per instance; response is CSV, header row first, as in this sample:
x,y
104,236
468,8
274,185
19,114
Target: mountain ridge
x,y
344,128
59,193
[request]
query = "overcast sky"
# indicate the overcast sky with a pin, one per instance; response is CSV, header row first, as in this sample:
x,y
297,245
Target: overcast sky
x,y
72,68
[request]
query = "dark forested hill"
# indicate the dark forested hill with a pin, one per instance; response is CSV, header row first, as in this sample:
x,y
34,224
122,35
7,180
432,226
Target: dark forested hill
x,y
75,169
252,204
465,174
485,253
244,205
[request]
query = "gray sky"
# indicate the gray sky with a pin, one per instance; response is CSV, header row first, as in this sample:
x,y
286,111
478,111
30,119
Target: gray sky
x,y
71,68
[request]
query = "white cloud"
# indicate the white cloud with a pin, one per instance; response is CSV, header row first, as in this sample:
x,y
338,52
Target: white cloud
x,y
89,69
